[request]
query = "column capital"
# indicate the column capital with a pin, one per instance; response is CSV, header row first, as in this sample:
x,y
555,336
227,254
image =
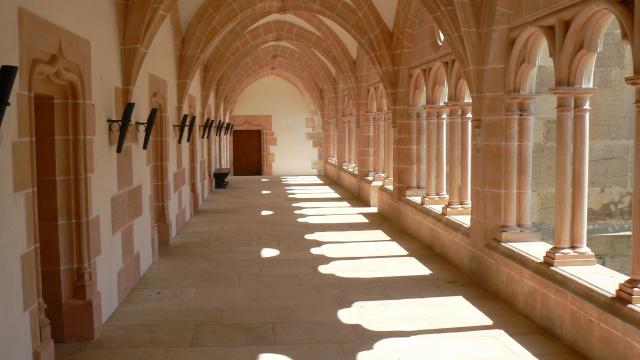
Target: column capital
x,y
573,91
453,104
633,81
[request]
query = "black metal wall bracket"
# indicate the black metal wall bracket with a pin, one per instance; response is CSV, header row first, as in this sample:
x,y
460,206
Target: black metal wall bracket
x,y
122,125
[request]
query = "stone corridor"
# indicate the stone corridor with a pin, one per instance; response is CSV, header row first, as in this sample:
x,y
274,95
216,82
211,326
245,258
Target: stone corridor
x,y
295,268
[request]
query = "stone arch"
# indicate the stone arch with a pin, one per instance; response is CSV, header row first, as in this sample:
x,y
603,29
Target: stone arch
x,y
584,40
201,34
371,103
381,99
418,89
459,87
235,49
280,57
138,22
437,87
523,62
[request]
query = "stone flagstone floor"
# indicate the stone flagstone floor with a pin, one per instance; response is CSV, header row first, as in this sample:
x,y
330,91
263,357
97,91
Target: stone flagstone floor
x,y
279,268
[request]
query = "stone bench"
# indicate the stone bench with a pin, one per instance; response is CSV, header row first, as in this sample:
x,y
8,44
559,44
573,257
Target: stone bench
x,y
220,175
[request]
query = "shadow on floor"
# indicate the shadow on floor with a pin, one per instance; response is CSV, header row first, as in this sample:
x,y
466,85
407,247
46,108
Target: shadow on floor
x,y
296,268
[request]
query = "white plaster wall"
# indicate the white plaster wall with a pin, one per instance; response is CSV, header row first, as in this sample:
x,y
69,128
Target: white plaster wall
x,y
14,327
294,153
98,25
161,62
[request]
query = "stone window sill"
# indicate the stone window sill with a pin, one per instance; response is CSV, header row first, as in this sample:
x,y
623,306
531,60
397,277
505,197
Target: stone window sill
x,y
595,283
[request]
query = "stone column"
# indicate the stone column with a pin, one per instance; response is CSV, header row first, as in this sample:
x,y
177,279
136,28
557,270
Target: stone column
x,y
388,146
431,127
340,145
346,144
335,140
379,167
629,290
570,246
580,172
525,162
405,145
364,148
354,143
465,161
453,154
510,170
442,153
421,149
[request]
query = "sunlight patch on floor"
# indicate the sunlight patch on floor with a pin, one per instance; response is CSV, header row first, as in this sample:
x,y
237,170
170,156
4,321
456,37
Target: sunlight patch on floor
x,y
360,249
315,196
266,212
482,344
312,191
265,192
375,268
348,236
270,356
269,252
446,312
321,204
301,180
337,211
334,219
308,187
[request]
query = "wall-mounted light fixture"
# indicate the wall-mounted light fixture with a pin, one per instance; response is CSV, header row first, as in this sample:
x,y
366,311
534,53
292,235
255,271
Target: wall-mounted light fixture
x,y
204,128
148,127
181,127
191,125
123,125
220,127
209,128
7,77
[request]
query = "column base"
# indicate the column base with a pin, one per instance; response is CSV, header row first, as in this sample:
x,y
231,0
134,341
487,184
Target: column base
x,y
517,235
458,210
388,181
415,192
435,200
379,177
569,257
44,351
629,291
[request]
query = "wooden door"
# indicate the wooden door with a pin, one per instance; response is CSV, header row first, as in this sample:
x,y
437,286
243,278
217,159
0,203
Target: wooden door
x,y
247,154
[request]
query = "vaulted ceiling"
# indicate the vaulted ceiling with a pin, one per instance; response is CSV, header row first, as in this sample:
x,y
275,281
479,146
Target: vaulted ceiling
x,y
314,44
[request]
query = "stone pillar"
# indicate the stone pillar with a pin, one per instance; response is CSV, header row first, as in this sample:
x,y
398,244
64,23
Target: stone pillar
x,y
570,246
525,162
629,290
510,169
379,146
365,149
334,140
405,144
346,144
465,161
388,146
442,153
354,143
431,127
580,172
453,154
421,149
340,145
